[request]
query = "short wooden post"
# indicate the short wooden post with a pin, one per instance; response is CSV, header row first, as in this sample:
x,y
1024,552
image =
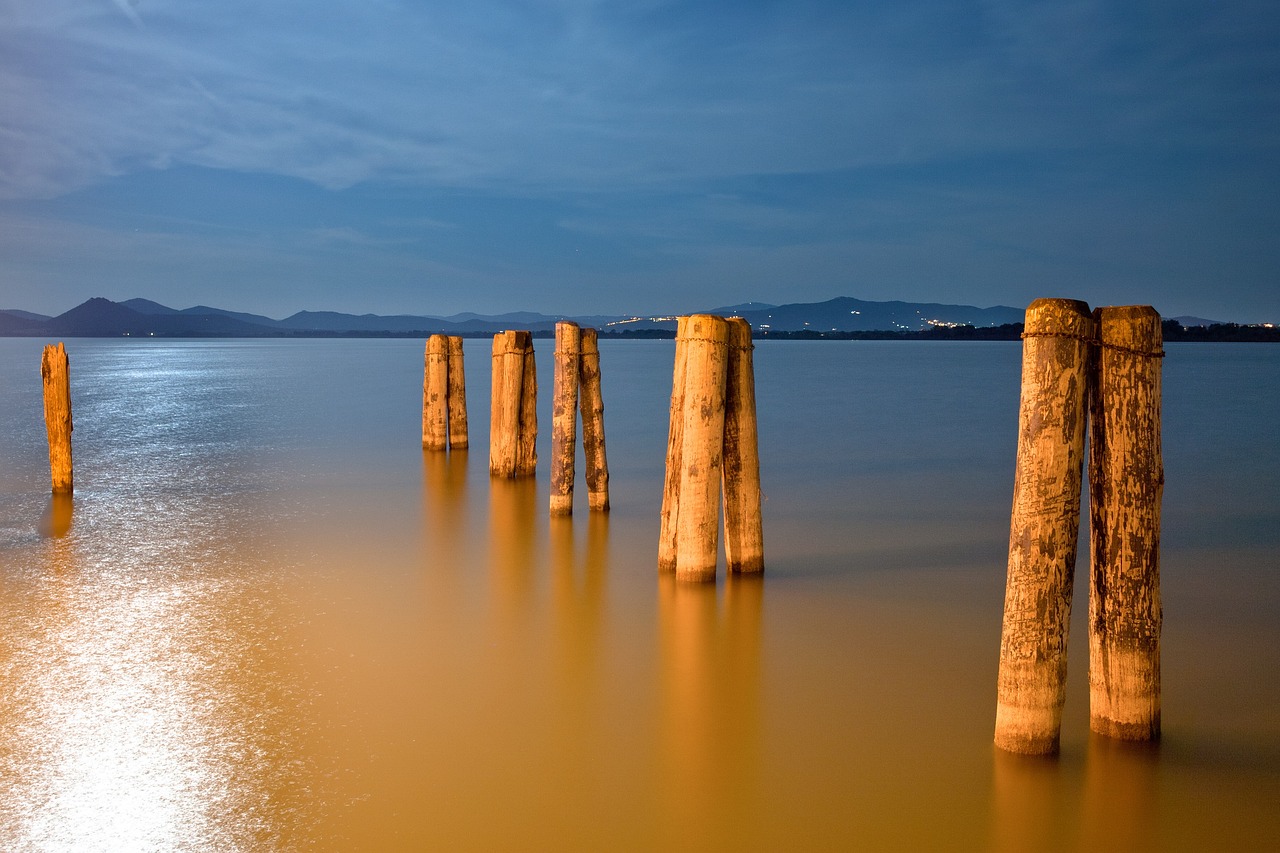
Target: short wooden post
x,y
435,394
1044,526
698,522
564,416
505,398
592,403
527,441
743,528
55,372
457,396
1126,483
675,446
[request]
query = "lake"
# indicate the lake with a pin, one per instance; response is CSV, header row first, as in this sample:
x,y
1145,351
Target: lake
x,y
269,621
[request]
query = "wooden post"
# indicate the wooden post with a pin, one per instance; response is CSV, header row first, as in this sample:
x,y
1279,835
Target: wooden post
x,y
1044,526
743,529
457,396
698,522
435,393
675,446
1126,482
593,423
564,416
527,441
55,371
505,397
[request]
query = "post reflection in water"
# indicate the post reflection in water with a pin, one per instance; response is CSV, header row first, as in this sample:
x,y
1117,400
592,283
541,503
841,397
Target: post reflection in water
x,y
1028,807
56,522
1120,789
512,541
444,479
711,707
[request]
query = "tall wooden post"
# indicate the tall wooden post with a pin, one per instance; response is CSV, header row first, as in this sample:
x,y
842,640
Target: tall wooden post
x,y
457,396
698,522
1126,483
667,537
564,416
743,528
54,370
505,399
527,441
435,393
1044,526
592,403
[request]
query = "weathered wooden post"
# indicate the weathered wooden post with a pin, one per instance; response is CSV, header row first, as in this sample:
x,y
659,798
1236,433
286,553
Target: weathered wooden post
x,y
513,425
702,453
527,441
592,403
667,537
1044,526
457,396
435,394
743,528
504,422
1126,482
564,416
55,372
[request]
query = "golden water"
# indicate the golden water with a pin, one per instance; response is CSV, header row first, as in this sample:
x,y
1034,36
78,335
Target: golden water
x,y
268,621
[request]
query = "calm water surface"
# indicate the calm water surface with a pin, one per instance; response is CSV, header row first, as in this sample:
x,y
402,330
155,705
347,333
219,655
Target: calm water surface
x,y
269,621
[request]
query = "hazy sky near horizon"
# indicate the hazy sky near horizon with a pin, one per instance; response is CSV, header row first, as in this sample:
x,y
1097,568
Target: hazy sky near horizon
x,y
641,156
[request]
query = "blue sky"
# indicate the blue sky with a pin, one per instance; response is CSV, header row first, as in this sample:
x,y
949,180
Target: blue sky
x,y
639,156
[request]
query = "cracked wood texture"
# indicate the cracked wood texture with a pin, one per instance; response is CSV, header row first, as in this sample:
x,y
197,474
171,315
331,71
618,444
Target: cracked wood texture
x,y
592,403
457,396
55,371
435,394
564,416
743,529
527,440
506,401
1044,525
702,450
1126,484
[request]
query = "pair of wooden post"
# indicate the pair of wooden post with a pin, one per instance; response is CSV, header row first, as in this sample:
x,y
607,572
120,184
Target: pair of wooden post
x,y
444,395
712,438
513,425
56,375
577,384
1102,368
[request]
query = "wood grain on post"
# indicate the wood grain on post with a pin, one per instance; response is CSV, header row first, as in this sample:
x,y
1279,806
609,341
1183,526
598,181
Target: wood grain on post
x,y
1126,483
592,403
1044,526
743,528
698,522
435,393
55,372
457,396
675,445
527,439
504,423
564,416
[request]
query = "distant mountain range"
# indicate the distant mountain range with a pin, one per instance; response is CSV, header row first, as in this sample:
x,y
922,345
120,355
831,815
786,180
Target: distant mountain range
x,y
142,318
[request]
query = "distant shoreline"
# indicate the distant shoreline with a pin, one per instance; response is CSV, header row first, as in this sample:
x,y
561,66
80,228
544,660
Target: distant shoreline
x,y
1173,332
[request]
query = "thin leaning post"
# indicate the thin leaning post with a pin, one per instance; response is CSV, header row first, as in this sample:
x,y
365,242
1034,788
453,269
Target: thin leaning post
x,y
675,445
513,424
1126,483
564,416
1044,525
592,404
527,443
55,372
457,396
743,528
435,394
